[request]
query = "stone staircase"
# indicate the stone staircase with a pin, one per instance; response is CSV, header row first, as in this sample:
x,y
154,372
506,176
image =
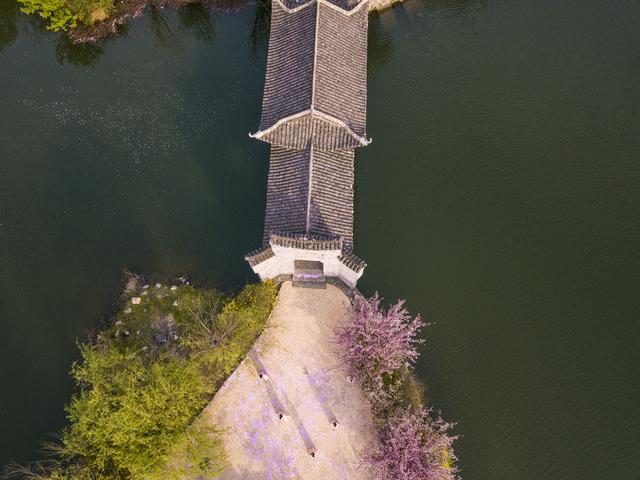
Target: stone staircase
x,y
308,274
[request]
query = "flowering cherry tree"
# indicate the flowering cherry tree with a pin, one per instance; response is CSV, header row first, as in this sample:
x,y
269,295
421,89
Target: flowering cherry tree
x,y
374,342
379,347
414,446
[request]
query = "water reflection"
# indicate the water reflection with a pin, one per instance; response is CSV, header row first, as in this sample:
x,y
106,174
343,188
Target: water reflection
x,y
380,40
196,18
8,14
261,24
79,54
161,28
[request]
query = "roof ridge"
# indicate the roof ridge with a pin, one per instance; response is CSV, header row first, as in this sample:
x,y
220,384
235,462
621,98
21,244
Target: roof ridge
x,y
259,255
352,261
344,11
313,112
305,242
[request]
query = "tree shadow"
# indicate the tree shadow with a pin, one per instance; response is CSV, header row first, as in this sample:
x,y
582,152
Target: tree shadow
x,y
161,28
261,26
197,18
8,16
380,49
78,54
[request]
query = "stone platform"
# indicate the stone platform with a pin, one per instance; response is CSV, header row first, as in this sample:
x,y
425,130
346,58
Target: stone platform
x,y
302,381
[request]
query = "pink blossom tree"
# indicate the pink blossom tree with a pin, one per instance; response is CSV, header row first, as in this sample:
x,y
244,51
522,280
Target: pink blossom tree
x,y
414,445
374,342
379,347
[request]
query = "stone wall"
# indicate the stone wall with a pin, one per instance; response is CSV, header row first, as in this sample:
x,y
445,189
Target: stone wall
x,y
282,263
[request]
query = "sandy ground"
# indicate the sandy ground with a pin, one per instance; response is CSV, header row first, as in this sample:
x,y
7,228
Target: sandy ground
x,y
303,382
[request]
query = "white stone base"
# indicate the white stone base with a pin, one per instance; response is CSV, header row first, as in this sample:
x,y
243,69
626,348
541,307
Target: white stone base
x,y
282,263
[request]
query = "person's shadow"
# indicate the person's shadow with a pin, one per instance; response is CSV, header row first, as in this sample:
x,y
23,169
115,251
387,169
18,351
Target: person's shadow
x,y
284,407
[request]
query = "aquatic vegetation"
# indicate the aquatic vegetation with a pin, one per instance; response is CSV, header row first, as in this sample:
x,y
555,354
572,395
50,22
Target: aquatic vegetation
x,y
378,348
144,380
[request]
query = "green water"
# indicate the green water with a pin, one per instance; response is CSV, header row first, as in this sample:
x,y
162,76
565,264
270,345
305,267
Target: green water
x,y
500,197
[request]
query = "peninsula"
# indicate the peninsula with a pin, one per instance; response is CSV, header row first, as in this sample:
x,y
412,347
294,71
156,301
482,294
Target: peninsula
x,y
299,376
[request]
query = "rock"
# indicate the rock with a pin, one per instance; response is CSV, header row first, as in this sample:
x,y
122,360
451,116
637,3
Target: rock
x,y
144,293
160,338
145,348
128,310
173,287
175,304
136,300
144,287
119,322
126,333
158,285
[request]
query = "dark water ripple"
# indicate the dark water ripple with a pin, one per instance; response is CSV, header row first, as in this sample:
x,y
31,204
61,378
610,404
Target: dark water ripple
x,y
499,198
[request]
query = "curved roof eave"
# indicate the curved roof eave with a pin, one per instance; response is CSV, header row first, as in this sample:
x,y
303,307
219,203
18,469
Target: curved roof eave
x,y
362,140
344,11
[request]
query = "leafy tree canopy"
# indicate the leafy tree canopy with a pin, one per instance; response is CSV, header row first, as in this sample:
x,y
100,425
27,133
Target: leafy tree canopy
x,y
144,380
58,14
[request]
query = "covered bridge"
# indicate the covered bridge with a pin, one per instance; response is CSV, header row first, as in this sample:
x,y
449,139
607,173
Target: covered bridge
x,y
314,116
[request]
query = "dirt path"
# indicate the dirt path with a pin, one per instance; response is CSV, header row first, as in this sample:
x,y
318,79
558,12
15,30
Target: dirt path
x,y
301,381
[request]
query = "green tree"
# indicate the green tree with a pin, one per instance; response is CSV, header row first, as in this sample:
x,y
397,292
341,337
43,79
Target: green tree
x,y
144,381
58,14
128,414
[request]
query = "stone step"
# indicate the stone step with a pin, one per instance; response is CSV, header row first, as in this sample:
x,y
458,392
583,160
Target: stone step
x,y
308,275
306,282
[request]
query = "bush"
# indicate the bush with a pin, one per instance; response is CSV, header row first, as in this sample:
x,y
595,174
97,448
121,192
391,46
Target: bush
x,y
130,412
145,379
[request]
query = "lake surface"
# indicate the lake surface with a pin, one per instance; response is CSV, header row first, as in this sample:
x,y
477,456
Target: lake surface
x,y
500,197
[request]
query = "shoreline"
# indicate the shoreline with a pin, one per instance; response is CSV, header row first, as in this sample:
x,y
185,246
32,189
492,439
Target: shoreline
x,y
127,10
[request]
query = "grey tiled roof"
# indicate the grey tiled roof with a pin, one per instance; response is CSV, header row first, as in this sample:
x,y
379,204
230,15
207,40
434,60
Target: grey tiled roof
x,y
344,4
331,205
259,255
287,192
310,192
353,262
308,130
305,242
313,115
287,87
341,70
317,63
